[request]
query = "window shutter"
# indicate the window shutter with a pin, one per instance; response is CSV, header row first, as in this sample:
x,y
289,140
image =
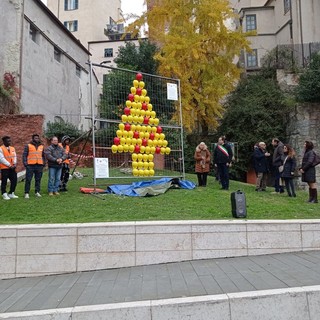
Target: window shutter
x,y
75,25
65,5
76,4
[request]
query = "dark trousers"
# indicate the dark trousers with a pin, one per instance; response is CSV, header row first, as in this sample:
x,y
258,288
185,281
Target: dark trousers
x,y
289,186
277,186
35,170
12,176
223,171
64,176
202,179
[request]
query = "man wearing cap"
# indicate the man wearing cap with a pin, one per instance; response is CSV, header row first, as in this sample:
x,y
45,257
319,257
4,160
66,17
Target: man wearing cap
x,y
8,163
65,141
34,161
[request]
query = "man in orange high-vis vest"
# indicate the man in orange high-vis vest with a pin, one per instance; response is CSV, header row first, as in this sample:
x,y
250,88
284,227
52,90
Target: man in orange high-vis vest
x,y
8,163
65,141
34,161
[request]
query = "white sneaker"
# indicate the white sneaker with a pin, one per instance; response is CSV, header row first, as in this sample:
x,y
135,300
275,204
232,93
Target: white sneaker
x,y
38,195
5,196
12,196
26,196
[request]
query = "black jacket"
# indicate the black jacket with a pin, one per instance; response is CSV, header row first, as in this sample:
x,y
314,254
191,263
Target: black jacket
x,y
260,161
289,167
309,174
220,157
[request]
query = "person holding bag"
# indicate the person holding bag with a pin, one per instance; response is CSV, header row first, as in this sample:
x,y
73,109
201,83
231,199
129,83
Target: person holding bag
x,y
288,168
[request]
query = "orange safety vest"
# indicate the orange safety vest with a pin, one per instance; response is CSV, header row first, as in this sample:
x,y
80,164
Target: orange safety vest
x,y
34,154
9,155
67,150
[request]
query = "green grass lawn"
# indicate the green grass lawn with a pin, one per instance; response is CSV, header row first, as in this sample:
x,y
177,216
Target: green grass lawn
x,y
176,204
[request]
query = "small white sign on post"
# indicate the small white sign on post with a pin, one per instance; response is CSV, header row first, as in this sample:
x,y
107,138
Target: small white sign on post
x,y
101,166
172,91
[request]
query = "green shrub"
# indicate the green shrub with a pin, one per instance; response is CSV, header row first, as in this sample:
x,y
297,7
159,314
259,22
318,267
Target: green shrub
x,y
60,129
308,89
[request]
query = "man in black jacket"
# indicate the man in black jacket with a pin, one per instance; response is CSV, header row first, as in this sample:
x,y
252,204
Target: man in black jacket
x,y
261,166
222,158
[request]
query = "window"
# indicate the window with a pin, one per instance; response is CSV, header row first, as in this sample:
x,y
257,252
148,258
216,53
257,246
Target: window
x,y
251,22
70,5
34,33
252,59
57,54
72,26
108,52
287,5
78,71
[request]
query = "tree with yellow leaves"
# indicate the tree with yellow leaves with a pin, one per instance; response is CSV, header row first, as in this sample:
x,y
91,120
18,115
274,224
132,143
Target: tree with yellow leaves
x,y
198,45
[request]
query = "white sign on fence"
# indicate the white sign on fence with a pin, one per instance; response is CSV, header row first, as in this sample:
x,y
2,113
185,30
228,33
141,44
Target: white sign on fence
x,y
101,166
172,91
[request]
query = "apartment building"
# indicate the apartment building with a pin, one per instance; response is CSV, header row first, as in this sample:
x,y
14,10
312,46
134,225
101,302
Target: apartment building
x,y
87,19
48,62
294,23
97,24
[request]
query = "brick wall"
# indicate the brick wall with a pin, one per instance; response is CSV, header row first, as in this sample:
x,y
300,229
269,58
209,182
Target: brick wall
x,y
20,128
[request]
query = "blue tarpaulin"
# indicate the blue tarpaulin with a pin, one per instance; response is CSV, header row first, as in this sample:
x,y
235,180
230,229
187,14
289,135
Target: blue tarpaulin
x,y
149,188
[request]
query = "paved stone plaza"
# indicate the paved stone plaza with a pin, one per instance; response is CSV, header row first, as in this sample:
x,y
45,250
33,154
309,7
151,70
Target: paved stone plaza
x,y
163,281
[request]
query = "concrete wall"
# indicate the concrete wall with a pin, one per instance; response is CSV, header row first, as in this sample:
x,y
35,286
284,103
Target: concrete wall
x,y
48,86
10,37
32,250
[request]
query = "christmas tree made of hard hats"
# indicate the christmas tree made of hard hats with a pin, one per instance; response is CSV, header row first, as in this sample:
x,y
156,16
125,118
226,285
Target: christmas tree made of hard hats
x,y
139,132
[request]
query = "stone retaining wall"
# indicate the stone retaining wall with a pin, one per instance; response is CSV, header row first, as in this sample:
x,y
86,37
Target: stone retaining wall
x,y
32,250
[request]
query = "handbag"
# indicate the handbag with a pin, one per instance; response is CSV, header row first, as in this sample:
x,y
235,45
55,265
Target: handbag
x,y
282,166
316,159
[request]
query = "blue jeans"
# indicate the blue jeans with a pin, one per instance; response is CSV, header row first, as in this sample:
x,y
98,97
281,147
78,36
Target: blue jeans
x,y
54,179
277,186
36,170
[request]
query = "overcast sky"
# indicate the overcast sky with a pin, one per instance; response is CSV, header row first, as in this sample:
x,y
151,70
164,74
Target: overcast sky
x,y
128,6
132,6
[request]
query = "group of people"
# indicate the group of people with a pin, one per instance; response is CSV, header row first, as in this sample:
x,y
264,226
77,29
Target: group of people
x,y
35,156
222,157
284,163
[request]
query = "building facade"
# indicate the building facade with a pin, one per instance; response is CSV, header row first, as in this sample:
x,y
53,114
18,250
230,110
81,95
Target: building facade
x,y
49,63
86,19
291,23
98,25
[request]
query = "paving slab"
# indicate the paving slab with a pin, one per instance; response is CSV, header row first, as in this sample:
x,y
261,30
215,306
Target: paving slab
x,y
162,281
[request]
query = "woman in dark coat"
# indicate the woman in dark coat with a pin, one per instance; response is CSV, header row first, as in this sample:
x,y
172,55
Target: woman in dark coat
x,y
202,167
289,166
309,171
